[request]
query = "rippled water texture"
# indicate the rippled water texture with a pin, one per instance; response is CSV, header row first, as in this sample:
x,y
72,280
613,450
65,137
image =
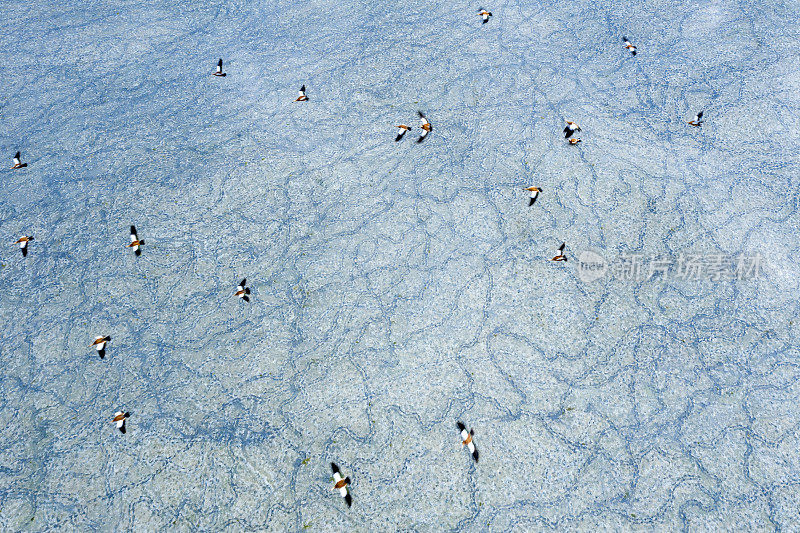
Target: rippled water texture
x,y
397,288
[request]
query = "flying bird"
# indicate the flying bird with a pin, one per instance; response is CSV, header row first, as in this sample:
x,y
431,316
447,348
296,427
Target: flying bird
x,y
17,163
136,243
574,140
219,72
560,256
425,125
302,95
119,419
466,440
402,132
629,46
534,194
570,129
23,244
485,14
100,345
341,485
697,120
242,291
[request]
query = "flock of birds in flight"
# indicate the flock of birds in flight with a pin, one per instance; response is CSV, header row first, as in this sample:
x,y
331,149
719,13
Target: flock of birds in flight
x,y
242,291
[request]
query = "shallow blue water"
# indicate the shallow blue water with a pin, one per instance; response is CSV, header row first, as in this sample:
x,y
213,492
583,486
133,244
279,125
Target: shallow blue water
x,y
397,287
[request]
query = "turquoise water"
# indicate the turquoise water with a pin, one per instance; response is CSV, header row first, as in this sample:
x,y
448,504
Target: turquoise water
x,y
398,288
